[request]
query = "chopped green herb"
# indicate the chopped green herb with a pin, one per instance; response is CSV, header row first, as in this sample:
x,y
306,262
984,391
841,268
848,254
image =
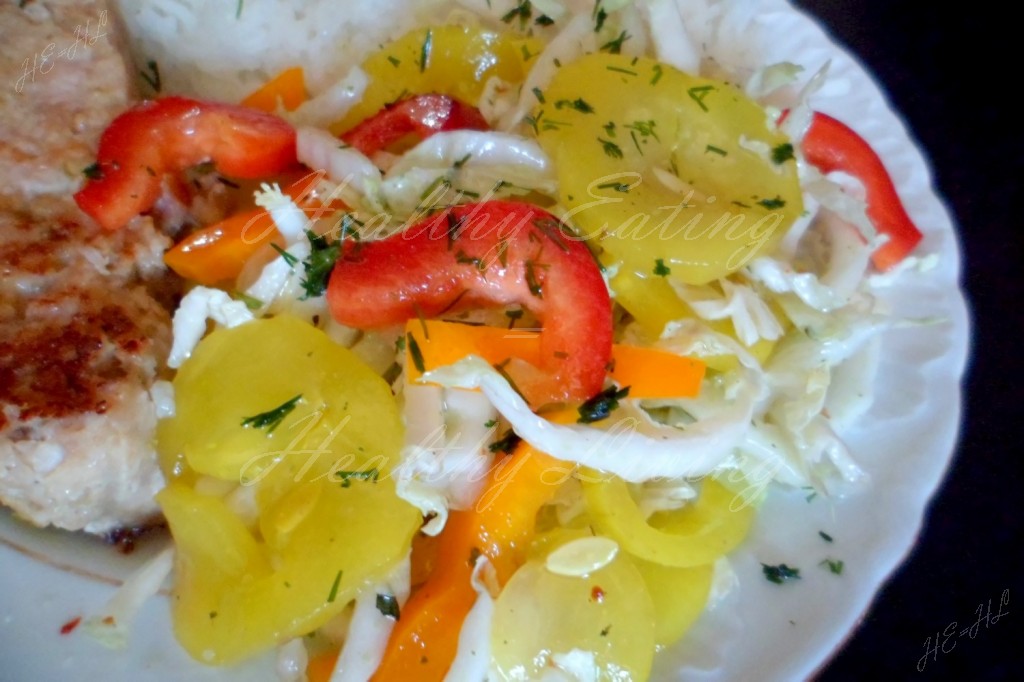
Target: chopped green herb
x,y
439,181
552,229
780,574
605,630
610,148
609,128
615,46
715,150
291,260
500,369
657,74
645,128
428,43
153,76
772,204
539,94
387,604
544,20
395,61
507,443
322,257
93,171
698,93
782,153
660,269
333,594
464,258
348,476
512,316
533,121
238,10
579,104
271,419
834,565
527,55
531,280
490,423
601,405
474,554
621,70
392,373
416,353
617,186
522,11
811,495
600,16
400,344
825,536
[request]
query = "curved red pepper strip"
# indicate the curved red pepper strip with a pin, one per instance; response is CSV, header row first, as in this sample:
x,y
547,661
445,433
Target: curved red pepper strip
x,y
169,135
496,253
422,116
831,145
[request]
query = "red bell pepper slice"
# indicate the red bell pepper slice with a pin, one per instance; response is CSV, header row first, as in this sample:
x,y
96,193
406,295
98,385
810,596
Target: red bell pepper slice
x,y
831,145
169,135
421,116
496,253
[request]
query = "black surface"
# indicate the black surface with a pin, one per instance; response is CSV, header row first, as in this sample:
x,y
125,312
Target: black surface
x,y
949,70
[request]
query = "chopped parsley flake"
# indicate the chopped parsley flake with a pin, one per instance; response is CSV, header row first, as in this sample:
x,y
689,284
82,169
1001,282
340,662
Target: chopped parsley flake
x,y
152,77
507,443
415,353
600,16
834,565
93,171
318,267
772,204
238,9
462,162
395,61
333,594
348,476
780,574
579,104
552,229
609,128
657,74
428,43
782,153
601,405
617,186
825,536
621,70
271,419
539,94
660,269
291,260
610,148
544,20
698,93
490,423
615,46
466,259
387,604
712,149
522,11
531,280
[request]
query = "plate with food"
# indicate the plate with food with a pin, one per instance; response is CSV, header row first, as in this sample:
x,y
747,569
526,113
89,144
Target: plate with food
x,y
458,340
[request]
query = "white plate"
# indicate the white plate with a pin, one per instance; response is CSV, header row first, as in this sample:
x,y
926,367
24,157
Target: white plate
x,y
765,631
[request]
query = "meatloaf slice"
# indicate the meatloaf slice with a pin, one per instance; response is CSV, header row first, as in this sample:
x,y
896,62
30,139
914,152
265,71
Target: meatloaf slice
x,y
84,325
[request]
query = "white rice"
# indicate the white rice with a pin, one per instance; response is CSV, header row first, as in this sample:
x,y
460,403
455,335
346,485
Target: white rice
x,y
225,50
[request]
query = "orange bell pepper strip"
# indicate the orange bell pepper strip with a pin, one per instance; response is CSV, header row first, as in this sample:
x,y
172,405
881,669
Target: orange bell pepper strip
x,y
650,373
217,253
426,637
287,87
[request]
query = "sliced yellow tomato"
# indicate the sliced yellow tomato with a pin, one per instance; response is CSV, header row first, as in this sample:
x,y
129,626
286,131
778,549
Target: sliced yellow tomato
x,y
450,60
669,174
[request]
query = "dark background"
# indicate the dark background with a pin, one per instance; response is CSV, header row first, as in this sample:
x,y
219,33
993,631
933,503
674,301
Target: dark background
x,y
949,70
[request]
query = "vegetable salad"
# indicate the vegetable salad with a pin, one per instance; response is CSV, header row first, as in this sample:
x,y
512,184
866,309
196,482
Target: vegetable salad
x,y
511,333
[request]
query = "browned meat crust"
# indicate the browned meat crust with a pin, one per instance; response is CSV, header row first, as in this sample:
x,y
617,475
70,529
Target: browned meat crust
x,y
84,325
